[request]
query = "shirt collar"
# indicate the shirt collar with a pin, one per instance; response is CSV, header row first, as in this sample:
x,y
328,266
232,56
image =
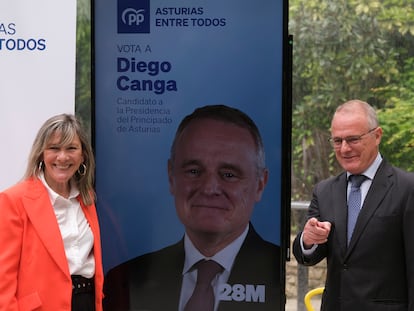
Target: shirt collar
x,y
225,257
74,192
372,169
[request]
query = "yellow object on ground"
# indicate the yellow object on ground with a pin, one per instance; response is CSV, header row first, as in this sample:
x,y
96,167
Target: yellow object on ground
x,y
309,295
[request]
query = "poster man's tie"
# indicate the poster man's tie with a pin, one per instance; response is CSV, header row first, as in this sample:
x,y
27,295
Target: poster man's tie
x,y
354,202
202,298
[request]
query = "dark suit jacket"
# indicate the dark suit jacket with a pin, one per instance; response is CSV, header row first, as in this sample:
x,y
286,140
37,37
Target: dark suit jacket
x,y
153,281
376,271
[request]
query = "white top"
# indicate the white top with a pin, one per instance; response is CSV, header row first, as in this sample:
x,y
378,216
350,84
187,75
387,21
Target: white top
x,y
76,234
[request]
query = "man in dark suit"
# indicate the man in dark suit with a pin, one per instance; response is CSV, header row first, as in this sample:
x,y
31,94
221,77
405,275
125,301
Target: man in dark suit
x,y
216,174
370,265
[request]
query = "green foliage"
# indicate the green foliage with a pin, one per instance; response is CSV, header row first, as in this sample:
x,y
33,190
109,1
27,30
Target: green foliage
x,y
398,139
398,16
396,118
83,63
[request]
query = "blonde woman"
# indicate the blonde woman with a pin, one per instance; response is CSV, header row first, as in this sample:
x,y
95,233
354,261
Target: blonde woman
x,y
50,252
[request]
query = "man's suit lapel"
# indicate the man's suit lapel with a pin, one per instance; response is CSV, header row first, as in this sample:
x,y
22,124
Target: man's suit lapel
x,y
242,264
163,275
37,204
339,203
248,270
380,186
172,271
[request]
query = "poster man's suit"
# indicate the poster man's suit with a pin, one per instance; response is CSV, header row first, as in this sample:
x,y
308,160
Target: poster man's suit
x,y
376,270
153,281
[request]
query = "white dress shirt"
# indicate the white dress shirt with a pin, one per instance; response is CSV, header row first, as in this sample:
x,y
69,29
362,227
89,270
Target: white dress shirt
x,y
76,234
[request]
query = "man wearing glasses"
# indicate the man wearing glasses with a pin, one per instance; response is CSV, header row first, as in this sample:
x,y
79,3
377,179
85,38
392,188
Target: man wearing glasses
x,y
361,221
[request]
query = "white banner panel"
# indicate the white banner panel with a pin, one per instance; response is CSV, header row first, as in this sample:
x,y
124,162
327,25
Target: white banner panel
x,y
37,70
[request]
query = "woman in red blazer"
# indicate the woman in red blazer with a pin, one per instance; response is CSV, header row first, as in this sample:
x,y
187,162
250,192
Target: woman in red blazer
x,y
50,252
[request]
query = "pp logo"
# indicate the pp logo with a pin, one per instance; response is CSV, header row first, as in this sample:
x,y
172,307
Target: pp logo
x,y
133,16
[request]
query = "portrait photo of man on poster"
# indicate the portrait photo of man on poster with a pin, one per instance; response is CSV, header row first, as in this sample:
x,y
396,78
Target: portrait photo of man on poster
x,y
216,174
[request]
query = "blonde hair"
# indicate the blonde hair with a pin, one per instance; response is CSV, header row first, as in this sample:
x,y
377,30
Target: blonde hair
x,y
67,126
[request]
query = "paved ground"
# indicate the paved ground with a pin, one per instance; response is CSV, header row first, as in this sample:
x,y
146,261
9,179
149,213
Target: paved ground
x,y
292,305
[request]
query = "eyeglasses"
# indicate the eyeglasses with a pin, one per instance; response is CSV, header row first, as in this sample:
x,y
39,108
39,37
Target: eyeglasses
x,y
336,142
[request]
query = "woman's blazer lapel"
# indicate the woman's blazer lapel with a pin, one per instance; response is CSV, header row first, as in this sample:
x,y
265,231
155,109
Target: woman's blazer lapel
x,y
37,204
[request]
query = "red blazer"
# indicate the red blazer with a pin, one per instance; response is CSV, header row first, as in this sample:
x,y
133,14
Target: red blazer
x,y
34,272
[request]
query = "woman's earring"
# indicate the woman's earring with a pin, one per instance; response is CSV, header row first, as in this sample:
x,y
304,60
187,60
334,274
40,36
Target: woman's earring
x,y
82,169
41,166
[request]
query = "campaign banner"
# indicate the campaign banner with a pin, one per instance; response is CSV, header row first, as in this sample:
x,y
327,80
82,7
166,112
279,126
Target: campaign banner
x,y
155,62
37,69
